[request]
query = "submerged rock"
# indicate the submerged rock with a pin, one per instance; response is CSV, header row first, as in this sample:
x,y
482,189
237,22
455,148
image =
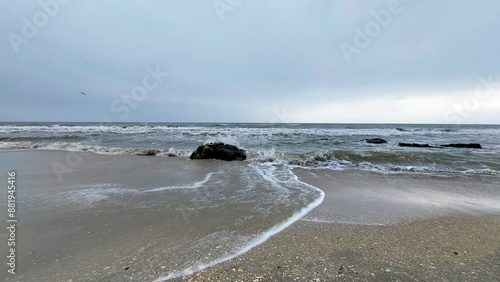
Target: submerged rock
x,y
375,141
148,153
415,145
470,145
219,151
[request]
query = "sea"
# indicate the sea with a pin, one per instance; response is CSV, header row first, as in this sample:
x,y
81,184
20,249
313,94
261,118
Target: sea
x,y
223,209
326,146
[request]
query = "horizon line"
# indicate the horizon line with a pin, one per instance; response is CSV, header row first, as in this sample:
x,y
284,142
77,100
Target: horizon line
x,y
249,122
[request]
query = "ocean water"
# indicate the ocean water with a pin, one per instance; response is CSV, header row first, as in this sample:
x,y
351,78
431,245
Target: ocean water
x,y
329,146
236,206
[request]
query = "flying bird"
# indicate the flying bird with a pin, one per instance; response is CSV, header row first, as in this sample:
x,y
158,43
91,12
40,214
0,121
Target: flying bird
x,y
83,93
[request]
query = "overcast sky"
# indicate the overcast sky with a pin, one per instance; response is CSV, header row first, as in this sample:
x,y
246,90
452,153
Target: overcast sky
x,y
331,61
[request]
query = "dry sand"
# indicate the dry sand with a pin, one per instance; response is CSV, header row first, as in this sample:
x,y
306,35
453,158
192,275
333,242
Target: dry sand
x,y
461,248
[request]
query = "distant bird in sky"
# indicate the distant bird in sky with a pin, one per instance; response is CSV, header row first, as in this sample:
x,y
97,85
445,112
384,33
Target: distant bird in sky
x,y
83,93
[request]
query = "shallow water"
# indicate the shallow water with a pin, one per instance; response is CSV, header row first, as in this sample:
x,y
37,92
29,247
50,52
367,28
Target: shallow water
x,y
372,198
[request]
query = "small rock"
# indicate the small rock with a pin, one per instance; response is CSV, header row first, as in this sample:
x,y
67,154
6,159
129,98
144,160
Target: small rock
x,y
470,145
415,145
148,153
375,141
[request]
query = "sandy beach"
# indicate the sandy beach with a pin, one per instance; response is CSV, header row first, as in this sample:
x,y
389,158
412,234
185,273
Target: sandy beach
x,y
462,248
447,243
121,218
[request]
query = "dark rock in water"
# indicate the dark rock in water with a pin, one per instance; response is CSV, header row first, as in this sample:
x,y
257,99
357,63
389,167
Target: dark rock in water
x,y
148,153
219,151
470,145
375,141
415,145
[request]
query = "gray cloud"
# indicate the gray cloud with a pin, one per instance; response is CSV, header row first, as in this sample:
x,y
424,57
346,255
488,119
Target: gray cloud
x,y
262,56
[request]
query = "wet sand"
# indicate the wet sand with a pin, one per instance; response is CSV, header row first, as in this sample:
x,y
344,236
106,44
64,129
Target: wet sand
x,y
381,228
127,217
369,227
372,198
69,232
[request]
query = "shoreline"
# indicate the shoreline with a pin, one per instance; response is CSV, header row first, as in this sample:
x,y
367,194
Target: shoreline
x,y
129,232
458,245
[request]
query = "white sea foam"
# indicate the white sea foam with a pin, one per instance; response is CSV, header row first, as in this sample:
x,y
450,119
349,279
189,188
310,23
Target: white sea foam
x,y
193,186
259,239
349,222
273,175
84,196
81,197
79,147
90,196
15,145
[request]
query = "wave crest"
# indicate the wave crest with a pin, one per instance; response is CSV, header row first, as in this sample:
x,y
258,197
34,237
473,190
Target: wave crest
x,y
78,147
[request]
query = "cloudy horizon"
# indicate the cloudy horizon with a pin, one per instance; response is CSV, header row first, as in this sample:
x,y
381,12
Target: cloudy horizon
x,y
386,61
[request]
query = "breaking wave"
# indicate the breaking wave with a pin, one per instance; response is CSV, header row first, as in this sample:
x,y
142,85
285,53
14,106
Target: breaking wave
x,y
78,147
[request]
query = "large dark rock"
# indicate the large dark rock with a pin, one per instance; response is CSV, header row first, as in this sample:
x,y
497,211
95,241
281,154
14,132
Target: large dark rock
x,y
219,151
470,145
375,141
415,145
